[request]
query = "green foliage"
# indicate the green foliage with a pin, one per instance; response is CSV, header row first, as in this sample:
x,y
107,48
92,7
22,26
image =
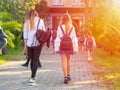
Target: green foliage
x,y
13,26
13,12
105,26
6,5
5,16
13,30
11,53
10,38
107,69
18,8
21,7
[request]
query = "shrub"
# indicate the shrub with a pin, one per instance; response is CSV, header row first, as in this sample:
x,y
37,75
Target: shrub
x,y
13,30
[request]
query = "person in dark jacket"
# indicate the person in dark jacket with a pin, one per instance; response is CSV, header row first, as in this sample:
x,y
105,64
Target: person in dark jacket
x,y
49,37
3,40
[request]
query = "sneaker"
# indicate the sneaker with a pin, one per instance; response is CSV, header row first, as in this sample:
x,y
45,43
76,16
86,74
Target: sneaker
x,y
66,80
69,78
89,58
32,82
25,65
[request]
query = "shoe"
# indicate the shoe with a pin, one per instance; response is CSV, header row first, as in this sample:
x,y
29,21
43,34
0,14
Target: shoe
x,y
89,58
32,82
25,65
69,78
65,80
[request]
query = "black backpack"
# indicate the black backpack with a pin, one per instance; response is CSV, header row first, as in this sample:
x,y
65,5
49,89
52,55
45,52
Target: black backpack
x,y
66,41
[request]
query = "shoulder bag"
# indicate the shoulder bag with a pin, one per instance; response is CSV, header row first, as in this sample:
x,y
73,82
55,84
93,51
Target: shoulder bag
x,y
41,35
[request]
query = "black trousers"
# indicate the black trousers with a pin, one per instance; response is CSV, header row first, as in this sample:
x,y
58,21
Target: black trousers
x,y
28,59
34,53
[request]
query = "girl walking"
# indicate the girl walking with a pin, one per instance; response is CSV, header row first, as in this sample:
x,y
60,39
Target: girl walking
x,y
68,29
30,41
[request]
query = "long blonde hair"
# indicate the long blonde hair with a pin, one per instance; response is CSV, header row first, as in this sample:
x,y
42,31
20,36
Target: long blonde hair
x,y
30,19
67,21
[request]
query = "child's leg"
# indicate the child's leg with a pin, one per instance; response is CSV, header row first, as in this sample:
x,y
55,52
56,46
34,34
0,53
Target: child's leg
x,y
89,54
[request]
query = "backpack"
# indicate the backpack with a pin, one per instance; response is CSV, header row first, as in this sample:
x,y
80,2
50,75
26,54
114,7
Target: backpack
x,y
81,39
66,41
89,42
41,35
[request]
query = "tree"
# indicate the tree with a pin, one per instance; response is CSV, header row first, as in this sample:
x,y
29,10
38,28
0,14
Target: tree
x,y
12,15
42,8
104,24
12,29
17,8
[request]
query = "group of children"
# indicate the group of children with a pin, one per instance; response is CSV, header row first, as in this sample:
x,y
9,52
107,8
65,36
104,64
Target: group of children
x,y
65,43
88,43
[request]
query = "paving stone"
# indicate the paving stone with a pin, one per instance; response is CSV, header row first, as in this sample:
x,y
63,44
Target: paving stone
x,y
50,77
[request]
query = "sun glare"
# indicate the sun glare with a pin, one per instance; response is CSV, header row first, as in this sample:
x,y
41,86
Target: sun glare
x,y
117,2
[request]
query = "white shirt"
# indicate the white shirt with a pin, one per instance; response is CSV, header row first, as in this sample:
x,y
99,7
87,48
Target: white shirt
x,y
29,35
72,35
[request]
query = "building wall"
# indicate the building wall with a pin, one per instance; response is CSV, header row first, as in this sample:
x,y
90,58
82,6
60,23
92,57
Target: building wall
x,y
77,12
65,3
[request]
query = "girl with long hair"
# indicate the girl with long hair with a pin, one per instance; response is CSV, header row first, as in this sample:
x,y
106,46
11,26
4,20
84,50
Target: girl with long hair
x,y
30,41
66,55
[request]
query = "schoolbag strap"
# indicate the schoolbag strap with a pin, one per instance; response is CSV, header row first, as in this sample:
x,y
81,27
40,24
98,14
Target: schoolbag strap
x,y
36,32
70,31
62,30
38,24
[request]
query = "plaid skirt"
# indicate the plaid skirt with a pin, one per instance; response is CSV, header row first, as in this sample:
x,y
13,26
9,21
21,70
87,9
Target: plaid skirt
x,y
89,48
68,52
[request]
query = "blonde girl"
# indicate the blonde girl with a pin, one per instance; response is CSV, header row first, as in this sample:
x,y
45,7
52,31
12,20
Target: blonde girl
x,y
66,55
30,41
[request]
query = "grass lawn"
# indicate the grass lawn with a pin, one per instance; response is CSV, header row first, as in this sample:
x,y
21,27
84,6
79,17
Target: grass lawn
x,y
107,69
10,53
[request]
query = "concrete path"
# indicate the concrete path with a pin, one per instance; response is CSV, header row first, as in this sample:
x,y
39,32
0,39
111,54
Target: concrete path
x,y
13,76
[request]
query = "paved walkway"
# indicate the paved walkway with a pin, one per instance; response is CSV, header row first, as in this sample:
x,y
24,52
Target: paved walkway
x,y
50,77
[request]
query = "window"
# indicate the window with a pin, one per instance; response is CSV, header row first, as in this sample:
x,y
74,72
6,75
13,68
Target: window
x,y
58,2
77,2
